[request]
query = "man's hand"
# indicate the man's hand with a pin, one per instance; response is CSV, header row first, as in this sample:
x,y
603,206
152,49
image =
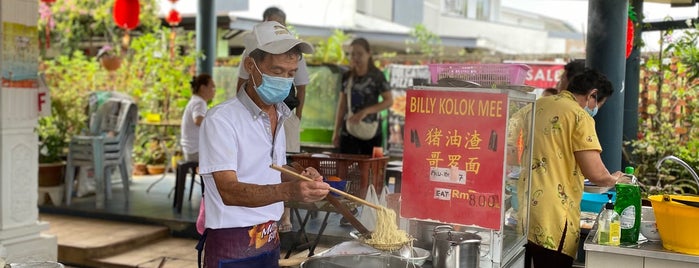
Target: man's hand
x,y
309,191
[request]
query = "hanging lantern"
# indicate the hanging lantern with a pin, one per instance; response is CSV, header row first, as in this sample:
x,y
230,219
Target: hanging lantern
x,y
126,13
49,2
173,18
629,37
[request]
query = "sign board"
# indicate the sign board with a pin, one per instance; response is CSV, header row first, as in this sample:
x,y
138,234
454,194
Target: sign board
x,y
544,75
453,157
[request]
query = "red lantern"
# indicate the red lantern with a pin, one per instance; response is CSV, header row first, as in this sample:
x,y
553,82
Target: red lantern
x,y
629,37
173,18
49,2
126,13
173,1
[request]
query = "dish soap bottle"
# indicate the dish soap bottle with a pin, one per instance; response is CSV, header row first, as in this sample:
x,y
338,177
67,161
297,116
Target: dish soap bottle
x,y
628,206
608,226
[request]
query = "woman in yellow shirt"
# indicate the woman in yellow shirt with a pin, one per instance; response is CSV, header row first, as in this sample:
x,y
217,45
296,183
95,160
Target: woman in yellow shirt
x,y
566,151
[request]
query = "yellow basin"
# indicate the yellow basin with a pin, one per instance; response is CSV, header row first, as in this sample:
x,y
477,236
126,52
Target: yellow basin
x,y
677,223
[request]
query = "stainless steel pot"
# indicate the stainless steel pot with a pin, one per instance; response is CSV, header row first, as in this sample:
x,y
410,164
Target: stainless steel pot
x,y
452,249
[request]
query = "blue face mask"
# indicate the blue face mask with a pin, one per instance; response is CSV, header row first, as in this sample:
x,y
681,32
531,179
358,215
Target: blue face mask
x,y
273,89
592,112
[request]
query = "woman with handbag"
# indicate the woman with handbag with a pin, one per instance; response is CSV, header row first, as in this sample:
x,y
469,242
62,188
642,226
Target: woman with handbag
x,y
357,119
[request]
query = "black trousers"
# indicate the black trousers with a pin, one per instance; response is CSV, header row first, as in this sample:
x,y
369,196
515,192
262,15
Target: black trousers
x,y
545,258
352,145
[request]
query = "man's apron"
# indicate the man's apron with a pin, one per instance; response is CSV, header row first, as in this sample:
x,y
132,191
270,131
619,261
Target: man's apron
x,y
256,246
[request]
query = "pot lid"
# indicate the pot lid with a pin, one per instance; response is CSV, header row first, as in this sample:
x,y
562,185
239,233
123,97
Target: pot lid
x,y
457,237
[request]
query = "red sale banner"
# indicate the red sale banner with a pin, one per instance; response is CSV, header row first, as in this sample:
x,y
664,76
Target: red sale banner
x,y
453,157
544,75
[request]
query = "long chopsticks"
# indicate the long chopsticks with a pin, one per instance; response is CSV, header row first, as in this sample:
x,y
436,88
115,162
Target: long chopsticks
x,y
346,195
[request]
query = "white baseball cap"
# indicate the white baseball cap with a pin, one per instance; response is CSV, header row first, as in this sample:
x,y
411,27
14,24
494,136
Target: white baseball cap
x,y
272,37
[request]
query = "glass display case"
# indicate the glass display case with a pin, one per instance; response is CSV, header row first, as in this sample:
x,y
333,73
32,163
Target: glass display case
x,y
466,166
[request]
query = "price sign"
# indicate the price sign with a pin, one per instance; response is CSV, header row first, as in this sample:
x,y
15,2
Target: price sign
x,y
453,157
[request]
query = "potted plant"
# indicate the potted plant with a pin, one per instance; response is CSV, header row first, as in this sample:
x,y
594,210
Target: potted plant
x,y
154,156
139,161
52,146
109,58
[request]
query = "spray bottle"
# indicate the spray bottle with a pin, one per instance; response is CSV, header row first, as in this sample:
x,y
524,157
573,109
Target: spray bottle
x,y
608,226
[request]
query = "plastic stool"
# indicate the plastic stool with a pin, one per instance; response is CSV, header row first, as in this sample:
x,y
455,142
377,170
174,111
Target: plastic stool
x,y
55,193
184,168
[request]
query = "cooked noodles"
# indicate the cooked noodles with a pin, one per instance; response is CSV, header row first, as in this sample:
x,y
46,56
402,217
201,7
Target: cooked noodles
x,y
387,235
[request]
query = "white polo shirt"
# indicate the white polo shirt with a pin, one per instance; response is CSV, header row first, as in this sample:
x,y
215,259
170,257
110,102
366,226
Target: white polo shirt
x,y
189,130
236,135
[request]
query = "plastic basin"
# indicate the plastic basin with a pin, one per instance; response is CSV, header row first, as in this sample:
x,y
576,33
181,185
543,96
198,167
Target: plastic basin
x,y
677,223
592,202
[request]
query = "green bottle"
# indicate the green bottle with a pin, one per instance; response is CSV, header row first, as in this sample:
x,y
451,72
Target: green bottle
x,y
628,206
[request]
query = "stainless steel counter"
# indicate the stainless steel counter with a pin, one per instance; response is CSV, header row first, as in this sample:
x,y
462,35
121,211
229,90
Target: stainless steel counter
x,y
645,249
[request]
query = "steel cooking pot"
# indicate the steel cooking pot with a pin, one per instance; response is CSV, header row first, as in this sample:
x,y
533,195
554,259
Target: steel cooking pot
x,y
354,261
453,249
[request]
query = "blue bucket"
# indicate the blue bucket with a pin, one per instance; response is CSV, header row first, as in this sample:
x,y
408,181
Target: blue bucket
x,y
340,185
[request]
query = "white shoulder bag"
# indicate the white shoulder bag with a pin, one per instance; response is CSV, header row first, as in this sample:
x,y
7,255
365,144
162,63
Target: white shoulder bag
x,y
361,130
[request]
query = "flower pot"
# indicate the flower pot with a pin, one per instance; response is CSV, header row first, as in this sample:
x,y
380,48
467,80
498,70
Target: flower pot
x,y
51,174
139,169
111,63
155,169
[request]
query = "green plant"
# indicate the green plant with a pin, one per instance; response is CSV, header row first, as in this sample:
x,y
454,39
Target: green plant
x,y
70,79
330,51
429,43
157,76
668,124
71,23
52,142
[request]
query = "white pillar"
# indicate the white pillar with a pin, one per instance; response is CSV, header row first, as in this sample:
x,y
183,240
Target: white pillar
x,y
20,229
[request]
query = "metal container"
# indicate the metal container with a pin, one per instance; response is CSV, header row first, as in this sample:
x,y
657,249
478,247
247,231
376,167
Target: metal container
x,y
425,234
452,249
354,261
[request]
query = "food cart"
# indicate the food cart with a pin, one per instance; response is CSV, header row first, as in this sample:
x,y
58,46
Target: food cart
x,y
461,165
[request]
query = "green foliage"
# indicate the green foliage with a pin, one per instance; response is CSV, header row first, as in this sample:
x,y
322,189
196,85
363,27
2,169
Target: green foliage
x,y
78,21
330,51
668,124
158,79
428,43
70,79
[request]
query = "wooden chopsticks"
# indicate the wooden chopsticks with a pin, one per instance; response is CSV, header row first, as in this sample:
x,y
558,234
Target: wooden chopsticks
x,y
346,195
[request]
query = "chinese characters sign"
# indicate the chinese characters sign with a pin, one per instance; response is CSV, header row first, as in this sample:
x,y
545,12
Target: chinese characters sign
x,y
453,157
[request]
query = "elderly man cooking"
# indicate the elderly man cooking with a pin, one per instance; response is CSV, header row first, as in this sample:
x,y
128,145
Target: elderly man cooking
x,y
239,140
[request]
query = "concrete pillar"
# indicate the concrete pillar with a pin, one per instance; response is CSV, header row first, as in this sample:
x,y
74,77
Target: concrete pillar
x,y
20,229
606,46
206,35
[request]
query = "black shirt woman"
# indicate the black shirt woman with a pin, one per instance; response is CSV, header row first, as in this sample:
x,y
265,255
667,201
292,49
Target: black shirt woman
x,y
365,84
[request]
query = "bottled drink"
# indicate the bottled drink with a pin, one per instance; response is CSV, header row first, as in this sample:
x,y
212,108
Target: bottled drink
x,y
628,206
608,226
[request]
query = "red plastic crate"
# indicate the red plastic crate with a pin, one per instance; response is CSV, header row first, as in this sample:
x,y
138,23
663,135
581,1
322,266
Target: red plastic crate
x,y
358,170
484,74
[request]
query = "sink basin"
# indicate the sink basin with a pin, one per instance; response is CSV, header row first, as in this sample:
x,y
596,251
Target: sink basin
x,y
677,223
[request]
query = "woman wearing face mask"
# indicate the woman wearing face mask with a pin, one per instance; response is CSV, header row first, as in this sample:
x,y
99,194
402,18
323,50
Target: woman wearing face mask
x,y
565,152
365,83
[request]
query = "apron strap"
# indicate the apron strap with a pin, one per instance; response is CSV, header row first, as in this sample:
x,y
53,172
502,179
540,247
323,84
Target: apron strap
x,y
200,246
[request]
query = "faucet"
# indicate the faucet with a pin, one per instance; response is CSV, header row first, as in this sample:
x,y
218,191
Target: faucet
x,y
682,163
